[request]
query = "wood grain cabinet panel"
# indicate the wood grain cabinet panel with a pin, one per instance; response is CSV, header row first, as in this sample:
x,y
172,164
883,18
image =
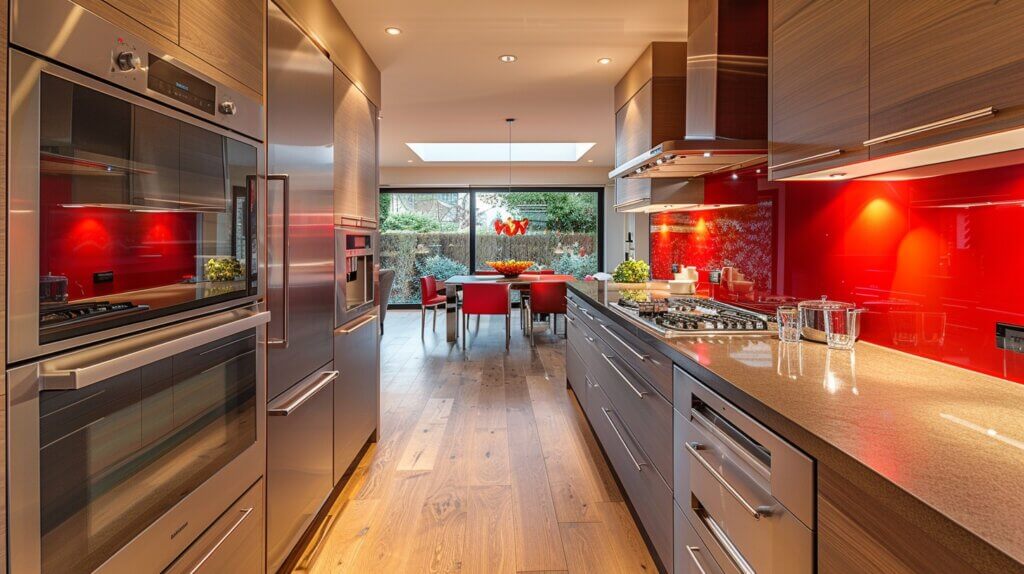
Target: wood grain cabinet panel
x,y
819,84
161,16
858,533
227,34
355,155
931,61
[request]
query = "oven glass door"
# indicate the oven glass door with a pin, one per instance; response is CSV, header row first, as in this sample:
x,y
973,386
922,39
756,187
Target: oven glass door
x,y
117,454
141,213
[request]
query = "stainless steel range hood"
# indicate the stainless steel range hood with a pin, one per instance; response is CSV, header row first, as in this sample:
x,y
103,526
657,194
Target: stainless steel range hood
x,y
726,95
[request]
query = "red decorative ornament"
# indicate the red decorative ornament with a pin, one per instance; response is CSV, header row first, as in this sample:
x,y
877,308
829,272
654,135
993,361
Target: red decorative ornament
x,y
511,227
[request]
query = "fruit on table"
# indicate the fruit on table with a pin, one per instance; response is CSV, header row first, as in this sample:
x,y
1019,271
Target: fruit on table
x,y
510,267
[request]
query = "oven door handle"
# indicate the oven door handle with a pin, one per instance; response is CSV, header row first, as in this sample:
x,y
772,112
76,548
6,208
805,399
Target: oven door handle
x,y
285,180
75,378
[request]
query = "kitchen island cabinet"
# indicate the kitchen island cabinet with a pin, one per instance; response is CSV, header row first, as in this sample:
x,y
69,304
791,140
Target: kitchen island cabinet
x,y
894,440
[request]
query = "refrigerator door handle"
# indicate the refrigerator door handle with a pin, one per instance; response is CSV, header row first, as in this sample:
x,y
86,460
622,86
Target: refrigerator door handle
x,y
285,180
300,398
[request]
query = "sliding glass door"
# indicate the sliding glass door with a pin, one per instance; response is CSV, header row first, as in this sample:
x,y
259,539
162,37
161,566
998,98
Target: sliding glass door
x,y
446,232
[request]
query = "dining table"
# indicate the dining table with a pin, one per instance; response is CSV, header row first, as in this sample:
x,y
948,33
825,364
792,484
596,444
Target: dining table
x,y
454,284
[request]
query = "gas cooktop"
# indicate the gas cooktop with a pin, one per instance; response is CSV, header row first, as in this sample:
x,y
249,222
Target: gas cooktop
x,y
677,316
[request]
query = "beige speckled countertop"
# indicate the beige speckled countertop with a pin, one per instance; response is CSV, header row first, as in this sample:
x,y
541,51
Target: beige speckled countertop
x,y
951,439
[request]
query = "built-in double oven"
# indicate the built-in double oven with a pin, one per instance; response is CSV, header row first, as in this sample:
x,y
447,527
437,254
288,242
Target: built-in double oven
x,y
136,334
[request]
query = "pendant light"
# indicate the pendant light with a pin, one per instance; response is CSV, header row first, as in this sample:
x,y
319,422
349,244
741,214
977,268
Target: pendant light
x,y
510,121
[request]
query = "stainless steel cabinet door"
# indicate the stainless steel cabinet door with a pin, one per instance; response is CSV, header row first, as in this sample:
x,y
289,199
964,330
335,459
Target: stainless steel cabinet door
x,y
357,390
300,230
299,461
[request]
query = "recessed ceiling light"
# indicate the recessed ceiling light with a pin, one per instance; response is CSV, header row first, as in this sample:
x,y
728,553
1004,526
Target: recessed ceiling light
x,y
408,161
590,161
507,58
707,154
392,31
605,61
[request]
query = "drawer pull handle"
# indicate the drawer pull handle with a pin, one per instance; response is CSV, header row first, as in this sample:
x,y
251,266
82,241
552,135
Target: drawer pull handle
x,y
346,331
300,399
589,316
975,115
639,465
638,392
213,550
638,354
694,448
693,550
570,319
808,159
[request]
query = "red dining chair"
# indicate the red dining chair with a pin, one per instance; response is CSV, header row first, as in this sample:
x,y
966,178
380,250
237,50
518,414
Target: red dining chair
x,y
429,299
486,299
545,297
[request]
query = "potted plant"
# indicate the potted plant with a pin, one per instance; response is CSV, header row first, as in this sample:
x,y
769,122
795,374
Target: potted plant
x,y
631,274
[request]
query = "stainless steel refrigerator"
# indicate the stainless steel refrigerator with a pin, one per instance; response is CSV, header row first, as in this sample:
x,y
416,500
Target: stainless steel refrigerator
x,y
300,277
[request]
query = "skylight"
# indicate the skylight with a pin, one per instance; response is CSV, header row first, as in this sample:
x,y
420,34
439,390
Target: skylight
x,y
498,152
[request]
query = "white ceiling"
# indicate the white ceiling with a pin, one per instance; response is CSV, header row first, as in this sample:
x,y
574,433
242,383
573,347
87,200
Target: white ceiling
x,y
442,81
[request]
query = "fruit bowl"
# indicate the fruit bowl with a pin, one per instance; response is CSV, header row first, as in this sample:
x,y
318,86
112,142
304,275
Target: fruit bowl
x,y
511,267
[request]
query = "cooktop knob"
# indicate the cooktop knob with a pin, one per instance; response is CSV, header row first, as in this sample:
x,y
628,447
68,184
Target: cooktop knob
x,y
128,61
228,108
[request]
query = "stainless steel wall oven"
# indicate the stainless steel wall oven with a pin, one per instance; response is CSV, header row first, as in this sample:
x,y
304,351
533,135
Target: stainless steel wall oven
x,y
133,184
136,373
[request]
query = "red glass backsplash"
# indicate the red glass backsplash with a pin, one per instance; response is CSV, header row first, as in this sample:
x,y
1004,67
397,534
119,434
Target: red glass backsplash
x,y
142,249
933,263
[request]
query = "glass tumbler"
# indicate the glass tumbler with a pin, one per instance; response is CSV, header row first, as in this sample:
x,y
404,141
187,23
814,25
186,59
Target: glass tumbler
x,y
789,323
842,327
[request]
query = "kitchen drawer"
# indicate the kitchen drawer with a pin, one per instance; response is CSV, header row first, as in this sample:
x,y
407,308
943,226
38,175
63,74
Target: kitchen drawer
x,y
692,556
591,318
300,455
357,389
576,372
739,479
647,492
651,365
791,477
646,414
233,544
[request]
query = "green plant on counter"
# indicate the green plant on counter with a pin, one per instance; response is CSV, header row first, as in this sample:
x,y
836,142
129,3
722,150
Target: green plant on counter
x,y
222,269
635,295
632,271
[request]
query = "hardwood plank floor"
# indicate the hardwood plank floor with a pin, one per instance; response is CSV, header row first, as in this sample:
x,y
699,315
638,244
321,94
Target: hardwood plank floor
x,y
485,464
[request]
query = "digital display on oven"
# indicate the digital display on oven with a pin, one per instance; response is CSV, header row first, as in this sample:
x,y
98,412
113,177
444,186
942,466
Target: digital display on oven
x,y
172,81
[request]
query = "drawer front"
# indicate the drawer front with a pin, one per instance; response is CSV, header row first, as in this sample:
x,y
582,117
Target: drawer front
x,y
356,390
738,476
650,364
791,480
692,556
646,414
591,318
647,492
300,463
575,367
233,544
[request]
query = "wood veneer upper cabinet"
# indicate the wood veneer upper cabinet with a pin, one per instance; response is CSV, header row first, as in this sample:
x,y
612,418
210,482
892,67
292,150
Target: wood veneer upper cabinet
x,y
355,155
819,84
227,34
159,15
934,60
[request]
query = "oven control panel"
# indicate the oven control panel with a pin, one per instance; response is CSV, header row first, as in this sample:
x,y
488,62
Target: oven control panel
x,y
172,81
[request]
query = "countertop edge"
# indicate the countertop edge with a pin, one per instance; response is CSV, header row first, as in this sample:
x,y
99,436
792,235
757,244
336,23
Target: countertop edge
x,y
939,526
